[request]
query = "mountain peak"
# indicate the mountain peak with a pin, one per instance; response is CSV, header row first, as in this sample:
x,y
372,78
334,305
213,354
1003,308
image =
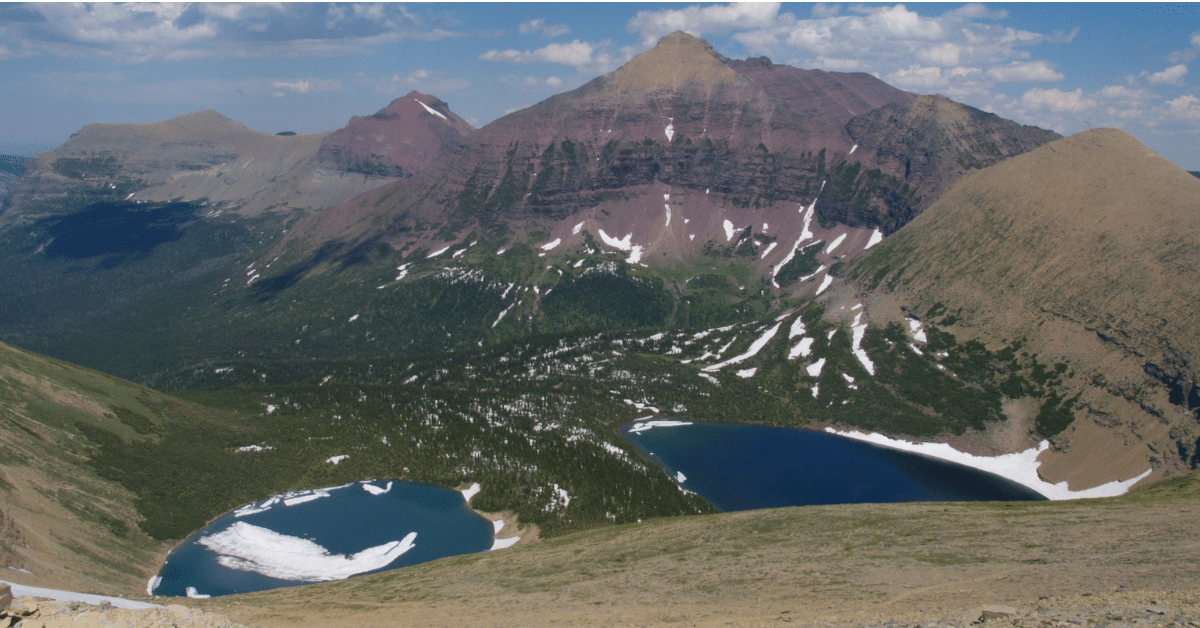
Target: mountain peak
x,y
205,120
677,59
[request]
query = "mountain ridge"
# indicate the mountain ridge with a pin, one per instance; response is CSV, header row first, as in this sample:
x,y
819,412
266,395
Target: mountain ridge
x,y
1082,252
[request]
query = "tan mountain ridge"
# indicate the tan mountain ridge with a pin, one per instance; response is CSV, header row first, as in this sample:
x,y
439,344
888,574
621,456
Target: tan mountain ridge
x,y
1085,252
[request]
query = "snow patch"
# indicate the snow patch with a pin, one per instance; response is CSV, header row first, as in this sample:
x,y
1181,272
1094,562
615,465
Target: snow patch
x,y
247,547
833,245
805,235
918,334
375,490
549,246
1020,467
432,110
728,230
801,350
747,373
814,369
670,130
577,228
336,459
471,491
645,426
438,252
624,244
680,477
196,595
755,347
825,283
504,543
768,249
852,149
876,238
353,318
860,329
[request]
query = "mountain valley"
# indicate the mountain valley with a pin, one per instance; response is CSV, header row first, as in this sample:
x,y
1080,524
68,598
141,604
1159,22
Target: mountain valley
x,y
690,235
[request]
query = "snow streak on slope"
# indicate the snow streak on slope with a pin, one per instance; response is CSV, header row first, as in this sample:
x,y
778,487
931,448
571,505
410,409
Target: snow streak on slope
x,y
432,110
859,331
805,235
755,347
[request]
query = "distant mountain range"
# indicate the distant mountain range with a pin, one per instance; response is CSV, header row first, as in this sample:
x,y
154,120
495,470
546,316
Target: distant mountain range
x,y
867,257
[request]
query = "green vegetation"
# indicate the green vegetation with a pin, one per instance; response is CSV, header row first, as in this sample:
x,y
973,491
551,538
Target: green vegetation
x,y
804,262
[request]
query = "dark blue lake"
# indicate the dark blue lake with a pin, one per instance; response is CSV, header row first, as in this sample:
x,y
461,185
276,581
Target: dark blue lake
x,y
744,467
321,535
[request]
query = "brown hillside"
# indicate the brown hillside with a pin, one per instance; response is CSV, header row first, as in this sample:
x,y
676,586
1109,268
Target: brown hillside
x,y
1087,250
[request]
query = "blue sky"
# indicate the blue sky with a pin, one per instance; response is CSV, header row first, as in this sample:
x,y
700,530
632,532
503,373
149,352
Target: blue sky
x,y
309,67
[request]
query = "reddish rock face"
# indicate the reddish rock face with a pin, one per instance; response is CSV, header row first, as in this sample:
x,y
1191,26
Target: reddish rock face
x,y
748,134
398,141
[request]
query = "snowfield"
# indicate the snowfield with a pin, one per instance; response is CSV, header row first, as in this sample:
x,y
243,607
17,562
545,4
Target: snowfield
x,y
247,547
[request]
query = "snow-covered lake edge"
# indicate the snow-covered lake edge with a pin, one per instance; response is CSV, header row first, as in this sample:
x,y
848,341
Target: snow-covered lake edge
x,y
1020,467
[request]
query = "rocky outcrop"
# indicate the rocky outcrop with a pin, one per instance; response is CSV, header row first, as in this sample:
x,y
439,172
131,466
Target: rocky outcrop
x,y
397,141
934,141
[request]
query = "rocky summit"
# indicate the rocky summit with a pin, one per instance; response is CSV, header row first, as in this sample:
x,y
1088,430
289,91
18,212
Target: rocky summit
x,y
397,141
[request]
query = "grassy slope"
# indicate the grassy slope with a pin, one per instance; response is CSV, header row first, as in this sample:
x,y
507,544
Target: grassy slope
x,y
63,522
830,564
1084,251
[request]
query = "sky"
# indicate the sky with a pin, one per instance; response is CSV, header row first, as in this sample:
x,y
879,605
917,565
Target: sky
x,y
308,67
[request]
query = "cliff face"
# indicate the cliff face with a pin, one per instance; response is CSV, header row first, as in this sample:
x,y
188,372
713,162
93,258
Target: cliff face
x,y
397,141
685,119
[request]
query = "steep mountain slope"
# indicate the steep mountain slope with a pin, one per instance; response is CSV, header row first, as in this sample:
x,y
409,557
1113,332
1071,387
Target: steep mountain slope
x,y
1084,253
193,157
61,524
397,141
674,144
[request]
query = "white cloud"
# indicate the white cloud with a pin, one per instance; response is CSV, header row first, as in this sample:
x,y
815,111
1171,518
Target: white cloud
x,y
421,80
1187,55
821,10
140,32
583,56
890,38
1017,71
539,25
1186,107
532,26
1170,76
702,20
1057,100
576,53
304,86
